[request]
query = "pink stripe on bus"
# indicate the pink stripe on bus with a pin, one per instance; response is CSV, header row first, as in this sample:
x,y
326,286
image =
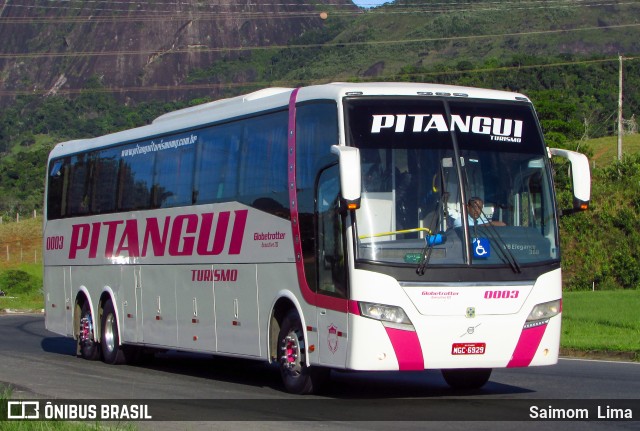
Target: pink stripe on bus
x,y
407,347
527,346
354,308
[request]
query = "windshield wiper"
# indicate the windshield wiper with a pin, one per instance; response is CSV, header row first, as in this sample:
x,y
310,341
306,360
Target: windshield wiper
x,y
432,239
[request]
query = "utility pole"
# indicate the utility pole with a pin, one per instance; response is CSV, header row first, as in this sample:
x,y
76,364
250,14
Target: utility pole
x,y
620,130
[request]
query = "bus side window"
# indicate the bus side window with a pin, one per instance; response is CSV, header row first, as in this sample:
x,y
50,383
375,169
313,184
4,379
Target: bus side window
x,y
218,163
331,256
173,177
58,184
105,181
136,179
264,157
79,185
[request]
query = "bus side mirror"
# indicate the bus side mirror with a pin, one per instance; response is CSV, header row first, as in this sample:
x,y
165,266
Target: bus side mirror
x,y
350,175
580,175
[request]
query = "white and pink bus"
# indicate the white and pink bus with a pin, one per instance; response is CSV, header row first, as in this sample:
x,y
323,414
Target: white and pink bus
x,y
376,226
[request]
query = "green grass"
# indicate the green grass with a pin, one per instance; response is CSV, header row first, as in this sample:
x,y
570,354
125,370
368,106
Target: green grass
x,y
33,300
601,321
605,150
24,240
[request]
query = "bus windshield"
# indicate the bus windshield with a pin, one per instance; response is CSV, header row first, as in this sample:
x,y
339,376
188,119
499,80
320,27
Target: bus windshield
x,y
452,181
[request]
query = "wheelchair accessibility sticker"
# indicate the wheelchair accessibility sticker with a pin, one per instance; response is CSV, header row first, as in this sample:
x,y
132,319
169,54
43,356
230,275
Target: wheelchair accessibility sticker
x,y
481,248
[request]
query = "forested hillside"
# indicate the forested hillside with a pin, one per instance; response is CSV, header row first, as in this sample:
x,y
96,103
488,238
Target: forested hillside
x,y
144,49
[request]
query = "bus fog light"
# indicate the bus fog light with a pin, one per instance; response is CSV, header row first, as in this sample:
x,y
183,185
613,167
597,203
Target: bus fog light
x,y
545,311
384,313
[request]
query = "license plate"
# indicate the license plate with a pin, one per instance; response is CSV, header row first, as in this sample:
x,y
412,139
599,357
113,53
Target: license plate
x,y
468,348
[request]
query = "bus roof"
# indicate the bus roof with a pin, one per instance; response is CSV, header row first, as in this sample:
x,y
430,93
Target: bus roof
x,y
273,98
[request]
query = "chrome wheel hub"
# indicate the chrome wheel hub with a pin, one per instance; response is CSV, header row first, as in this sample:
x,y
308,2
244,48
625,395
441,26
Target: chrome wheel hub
x,y
290,357
109,336
86,330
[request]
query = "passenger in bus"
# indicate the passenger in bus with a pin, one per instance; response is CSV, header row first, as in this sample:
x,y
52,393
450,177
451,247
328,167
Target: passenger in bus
x,y
475,215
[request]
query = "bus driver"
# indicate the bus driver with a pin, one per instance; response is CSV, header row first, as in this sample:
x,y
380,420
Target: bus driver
x,y
475,215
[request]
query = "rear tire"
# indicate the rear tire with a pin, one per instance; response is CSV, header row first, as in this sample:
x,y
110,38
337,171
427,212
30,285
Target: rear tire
x,y
297,377
112,352
471,378
87,347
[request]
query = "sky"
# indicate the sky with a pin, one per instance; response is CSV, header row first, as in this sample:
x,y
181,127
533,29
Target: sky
x,y
371,3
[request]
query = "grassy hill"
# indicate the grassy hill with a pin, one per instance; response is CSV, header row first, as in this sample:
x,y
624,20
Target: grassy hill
x,y
605,149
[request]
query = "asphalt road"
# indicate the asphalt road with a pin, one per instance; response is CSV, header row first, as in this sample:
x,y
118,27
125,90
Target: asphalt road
x,y
225,393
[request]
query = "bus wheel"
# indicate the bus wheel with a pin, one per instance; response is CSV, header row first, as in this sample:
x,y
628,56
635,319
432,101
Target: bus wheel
x,y
467,378
88,348
297,377
112,351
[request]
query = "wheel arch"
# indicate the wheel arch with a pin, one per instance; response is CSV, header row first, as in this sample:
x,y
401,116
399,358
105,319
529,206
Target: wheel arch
x,y
285,302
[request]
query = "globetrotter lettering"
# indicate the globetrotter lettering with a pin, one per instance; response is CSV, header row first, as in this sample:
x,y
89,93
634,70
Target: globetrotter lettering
x,y
184,235
268,236
500,129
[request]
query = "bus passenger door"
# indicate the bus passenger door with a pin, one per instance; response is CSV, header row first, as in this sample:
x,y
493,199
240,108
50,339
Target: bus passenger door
x,y
332,284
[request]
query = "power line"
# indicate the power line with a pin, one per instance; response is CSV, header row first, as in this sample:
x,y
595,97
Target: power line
x,y
205,49
503,6
293,83
516,67
162,16
196,15
230,9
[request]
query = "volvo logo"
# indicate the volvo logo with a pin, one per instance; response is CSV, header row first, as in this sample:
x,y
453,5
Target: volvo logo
x,y
470,330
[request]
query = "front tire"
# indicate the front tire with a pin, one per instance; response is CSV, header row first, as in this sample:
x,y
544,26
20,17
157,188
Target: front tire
x,y
297,377
112,352
87,347
472,378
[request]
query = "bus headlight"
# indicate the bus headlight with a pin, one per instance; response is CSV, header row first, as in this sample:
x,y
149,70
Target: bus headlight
x,y
385,313
545,311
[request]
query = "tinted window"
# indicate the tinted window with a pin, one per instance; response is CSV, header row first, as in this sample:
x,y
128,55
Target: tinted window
x,y
173,176
217,164
105,181
244,160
